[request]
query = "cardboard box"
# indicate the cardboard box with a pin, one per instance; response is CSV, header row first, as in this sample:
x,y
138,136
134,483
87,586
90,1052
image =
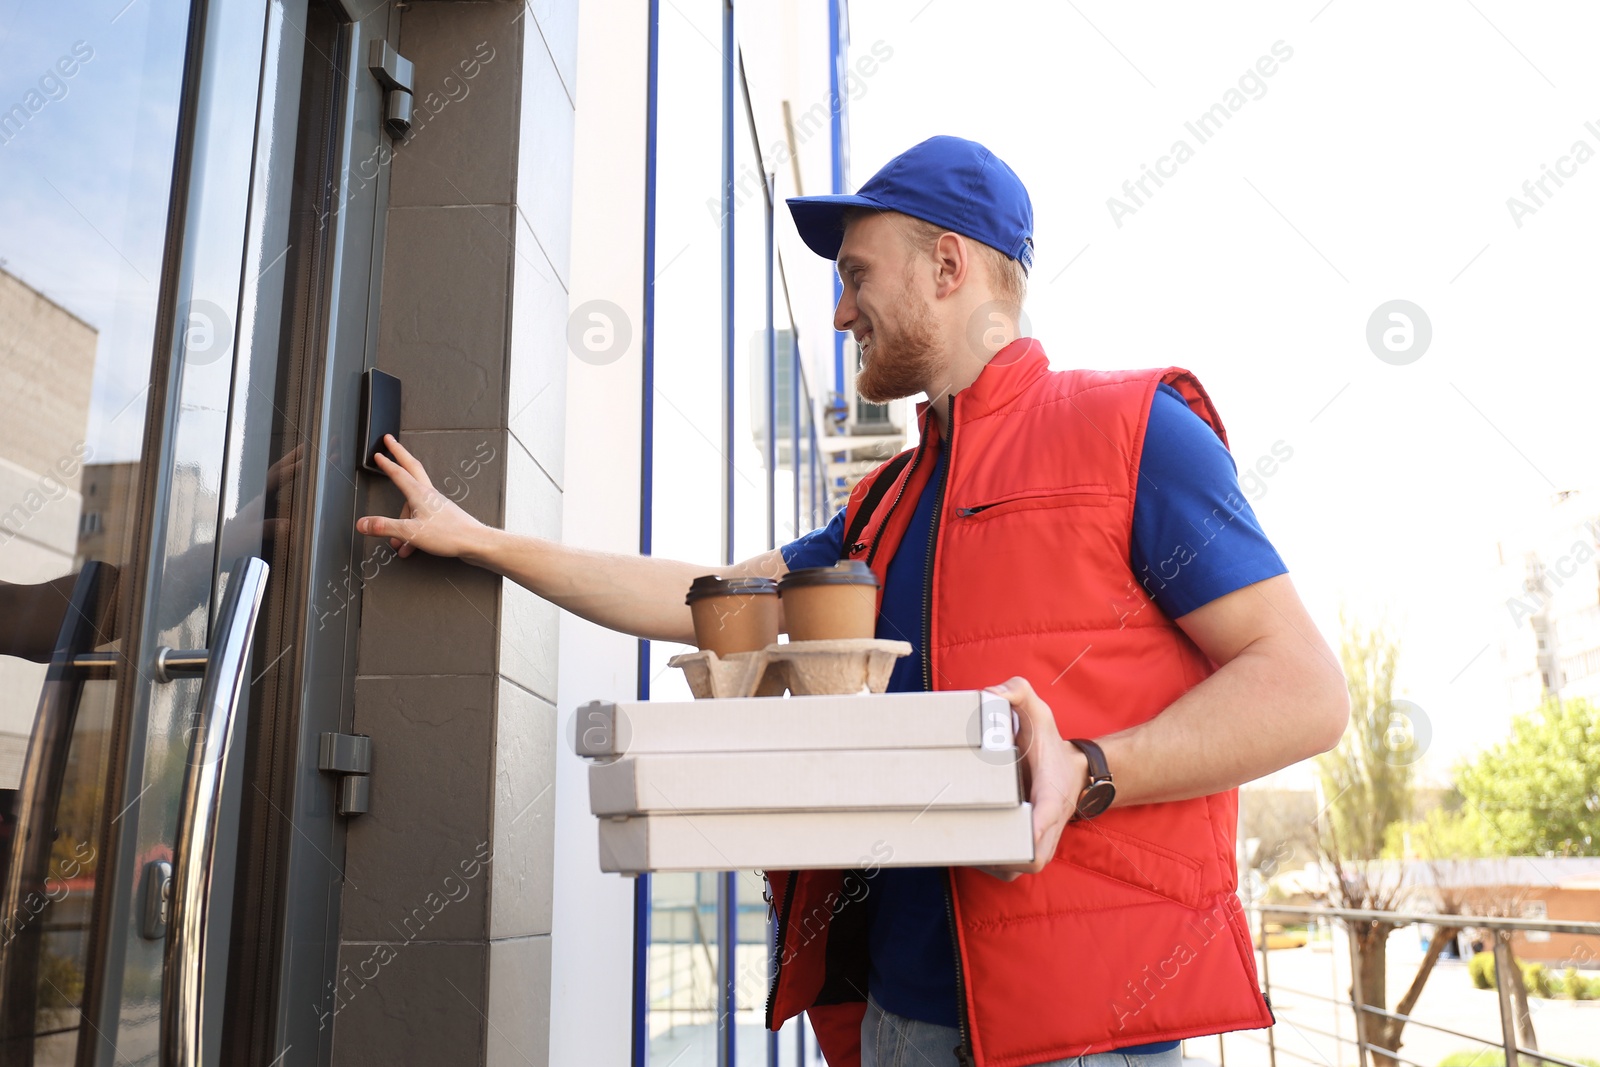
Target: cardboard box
x,y
968,718
913,778
725,841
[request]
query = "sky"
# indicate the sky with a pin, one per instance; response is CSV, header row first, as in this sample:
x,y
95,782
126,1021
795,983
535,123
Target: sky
x,y
84,181
1373,164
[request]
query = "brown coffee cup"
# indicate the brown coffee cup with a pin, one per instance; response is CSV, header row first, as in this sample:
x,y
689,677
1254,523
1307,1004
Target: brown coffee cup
x,y
733,615
830,603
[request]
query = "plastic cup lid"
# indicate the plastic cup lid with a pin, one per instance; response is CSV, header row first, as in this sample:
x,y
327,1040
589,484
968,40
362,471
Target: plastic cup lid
x,y
708,585
845,572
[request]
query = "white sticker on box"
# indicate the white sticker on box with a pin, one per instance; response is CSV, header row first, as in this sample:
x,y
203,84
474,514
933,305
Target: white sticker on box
x,y
998,722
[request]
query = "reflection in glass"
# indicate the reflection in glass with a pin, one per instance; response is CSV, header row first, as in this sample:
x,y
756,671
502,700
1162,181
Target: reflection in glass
x,y
88,116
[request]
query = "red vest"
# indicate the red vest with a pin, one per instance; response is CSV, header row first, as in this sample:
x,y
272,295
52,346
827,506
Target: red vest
x,y
1134,933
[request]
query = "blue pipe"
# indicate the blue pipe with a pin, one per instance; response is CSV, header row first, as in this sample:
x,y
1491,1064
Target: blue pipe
x,y
772,379
819,505
727,930
641,887
728,207
836,136
729,993
794,419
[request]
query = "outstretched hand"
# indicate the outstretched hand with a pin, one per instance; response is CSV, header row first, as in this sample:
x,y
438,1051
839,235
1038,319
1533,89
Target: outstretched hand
x,y
1054,773
429,520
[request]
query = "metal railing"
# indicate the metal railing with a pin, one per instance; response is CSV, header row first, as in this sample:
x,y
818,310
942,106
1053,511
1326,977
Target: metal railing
x,y
1504,966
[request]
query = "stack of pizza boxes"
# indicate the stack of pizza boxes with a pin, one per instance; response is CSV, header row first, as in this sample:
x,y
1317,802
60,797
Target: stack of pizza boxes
x,y
783,778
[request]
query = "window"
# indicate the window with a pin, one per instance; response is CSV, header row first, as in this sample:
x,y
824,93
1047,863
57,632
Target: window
x,y
735,471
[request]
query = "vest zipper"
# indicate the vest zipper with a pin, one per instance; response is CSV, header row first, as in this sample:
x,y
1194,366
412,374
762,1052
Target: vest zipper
x,y
777,964
963,1055
898,493
933,537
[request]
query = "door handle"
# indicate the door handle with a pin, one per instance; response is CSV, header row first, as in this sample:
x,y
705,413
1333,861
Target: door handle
x,y
199,811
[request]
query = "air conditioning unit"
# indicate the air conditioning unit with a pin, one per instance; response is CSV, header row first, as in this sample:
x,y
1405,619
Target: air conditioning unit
x,y
865,435
863,418
784,400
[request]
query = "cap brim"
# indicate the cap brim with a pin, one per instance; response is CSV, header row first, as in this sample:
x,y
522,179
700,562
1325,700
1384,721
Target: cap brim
x,y
820,219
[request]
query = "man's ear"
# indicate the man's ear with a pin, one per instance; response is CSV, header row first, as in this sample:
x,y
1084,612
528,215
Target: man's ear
x,y
951,262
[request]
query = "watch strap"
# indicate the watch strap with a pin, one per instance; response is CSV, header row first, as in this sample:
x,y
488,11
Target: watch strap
x,y
1096,757
1099,791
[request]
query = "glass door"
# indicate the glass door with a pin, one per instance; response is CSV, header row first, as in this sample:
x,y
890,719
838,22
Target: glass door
x,y
88,140
185,288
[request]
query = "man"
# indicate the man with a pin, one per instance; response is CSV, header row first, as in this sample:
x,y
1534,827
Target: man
x,y
1084,534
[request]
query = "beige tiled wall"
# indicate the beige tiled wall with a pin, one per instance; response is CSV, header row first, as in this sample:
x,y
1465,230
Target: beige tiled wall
x,y
457,669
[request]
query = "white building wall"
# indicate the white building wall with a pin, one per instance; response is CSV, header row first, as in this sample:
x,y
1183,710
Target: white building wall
x,y
592,923
784,49
1549,575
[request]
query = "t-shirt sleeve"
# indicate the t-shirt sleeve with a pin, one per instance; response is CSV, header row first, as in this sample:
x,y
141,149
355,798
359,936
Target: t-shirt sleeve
x,y
1195,536
821,547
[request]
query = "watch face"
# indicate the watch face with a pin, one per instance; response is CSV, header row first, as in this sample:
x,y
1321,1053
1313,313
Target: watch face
x,y
1096,799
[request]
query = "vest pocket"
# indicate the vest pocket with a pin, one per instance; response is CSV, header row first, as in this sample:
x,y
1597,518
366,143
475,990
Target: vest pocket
x,y
1096,496
1132,861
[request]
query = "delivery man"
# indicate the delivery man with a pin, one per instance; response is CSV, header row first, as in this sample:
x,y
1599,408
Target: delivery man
x,y
1076,540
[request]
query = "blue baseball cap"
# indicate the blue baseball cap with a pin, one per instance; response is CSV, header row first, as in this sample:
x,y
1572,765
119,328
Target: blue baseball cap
x,y
948,181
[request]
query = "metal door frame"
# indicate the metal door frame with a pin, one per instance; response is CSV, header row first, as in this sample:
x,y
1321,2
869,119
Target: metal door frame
x,y
219,70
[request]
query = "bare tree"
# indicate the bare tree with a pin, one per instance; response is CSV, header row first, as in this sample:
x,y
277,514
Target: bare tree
x,y
1282,823
1503,897
1372,884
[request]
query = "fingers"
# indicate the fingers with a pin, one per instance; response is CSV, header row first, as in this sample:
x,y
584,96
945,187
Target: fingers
x,y
1019,693
404,548
1035,721
1048,772
376,526
399,532
407,460
282,472
402,477
411,479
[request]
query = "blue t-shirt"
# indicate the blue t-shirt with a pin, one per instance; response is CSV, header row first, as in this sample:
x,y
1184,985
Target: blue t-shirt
x,y
1188,496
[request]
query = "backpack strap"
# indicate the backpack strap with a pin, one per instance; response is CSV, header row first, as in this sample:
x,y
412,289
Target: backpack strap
x,y
875,492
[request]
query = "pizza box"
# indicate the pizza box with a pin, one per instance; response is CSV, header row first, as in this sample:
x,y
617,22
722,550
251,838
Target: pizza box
x,y
962,718
914,778
794,840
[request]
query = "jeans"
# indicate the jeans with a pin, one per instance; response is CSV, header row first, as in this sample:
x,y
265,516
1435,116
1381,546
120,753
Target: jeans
x,y
890,1040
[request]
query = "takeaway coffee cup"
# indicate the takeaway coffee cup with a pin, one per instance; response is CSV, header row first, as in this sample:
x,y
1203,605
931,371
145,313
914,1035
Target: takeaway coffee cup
x,y
733,615
830,603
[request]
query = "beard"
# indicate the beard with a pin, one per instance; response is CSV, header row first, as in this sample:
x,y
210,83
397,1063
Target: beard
x,y
901,364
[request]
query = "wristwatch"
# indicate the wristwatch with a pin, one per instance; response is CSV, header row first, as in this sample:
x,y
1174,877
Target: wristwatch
x,y
1098,794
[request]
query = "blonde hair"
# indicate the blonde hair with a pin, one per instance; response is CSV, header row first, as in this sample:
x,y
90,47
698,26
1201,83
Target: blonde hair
x,y
1006,277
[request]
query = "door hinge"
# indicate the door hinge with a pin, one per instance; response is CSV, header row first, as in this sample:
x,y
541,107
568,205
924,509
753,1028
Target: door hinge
x,y
395,73
350,757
